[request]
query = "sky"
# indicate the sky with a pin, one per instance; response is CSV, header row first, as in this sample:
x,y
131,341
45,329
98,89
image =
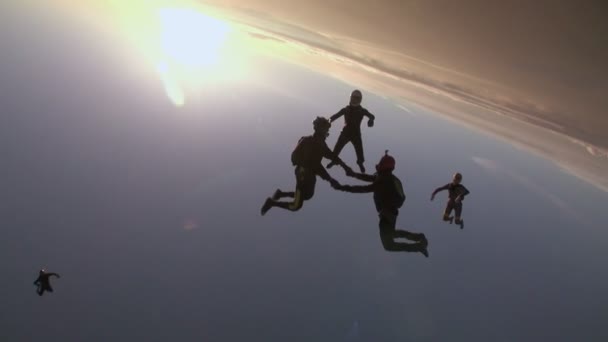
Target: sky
x,y
542,56
147,204
538,80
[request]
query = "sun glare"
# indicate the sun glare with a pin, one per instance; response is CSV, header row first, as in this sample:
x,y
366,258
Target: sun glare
x,y
190,38
186,48
193,48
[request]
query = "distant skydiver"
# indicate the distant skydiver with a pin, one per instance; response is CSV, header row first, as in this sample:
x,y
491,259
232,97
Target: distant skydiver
x,y
456,193
388,198
43,282
353,115
306,157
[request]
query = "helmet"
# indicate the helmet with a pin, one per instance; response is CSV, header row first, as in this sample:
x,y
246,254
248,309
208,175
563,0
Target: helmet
x,y
321,125
387,163
457,177
355,97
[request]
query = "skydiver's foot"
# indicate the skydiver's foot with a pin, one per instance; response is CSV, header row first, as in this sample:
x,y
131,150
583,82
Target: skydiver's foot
x,y
460,222
424,251
361,167
267,205
277,195
423,241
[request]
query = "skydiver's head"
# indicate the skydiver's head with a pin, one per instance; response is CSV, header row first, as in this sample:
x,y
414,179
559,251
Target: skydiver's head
x,y
457,178
321,126
386,163
356,97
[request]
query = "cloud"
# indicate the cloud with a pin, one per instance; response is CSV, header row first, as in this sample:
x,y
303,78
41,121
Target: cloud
x,y
487,164
592,150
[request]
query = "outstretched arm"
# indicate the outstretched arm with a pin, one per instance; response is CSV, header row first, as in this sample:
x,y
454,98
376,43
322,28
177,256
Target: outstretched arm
x,y
369,115
362,176
445,187
54,274
337,115
321,172
357,189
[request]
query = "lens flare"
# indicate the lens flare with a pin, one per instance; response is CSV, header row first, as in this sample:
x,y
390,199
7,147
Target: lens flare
x,y
190,38
178,41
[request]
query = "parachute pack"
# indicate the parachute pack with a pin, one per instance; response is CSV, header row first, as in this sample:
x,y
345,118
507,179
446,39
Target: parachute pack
x,y
399,197
300,152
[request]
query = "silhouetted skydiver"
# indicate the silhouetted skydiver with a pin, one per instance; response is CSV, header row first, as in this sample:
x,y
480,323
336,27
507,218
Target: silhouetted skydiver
x,y
456,193
388,198
353,115
306,158
43,282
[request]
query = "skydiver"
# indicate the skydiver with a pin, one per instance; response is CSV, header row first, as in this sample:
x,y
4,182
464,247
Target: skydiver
x,y
456,193
43,281
388,198
353,115
306,157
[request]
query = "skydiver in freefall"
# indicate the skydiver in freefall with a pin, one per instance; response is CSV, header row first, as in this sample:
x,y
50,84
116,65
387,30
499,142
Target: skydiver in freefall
x,y
306,157
456,193
43,281
388,198
353,115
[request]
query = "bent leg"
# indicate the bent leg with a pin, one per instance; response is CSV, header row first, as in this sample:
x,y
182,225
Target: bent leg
x,y
448,210
388,234
295,205
343,139
418,237
280,194
305,188
358,145
458,211
388,242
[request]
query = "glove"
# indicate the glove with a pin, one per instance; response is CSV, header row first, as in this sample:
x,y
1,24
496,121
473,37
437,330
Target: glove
x,y
370,123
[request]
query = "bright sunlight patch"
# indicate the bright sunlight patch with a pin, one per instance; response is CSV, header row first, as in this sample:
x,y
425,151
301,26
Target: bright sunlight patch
x,y
190,38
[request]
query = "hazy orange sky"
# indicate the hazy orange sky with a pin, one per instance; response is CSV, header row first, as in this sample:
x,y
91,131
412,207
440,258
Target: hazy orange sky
x,y
544,57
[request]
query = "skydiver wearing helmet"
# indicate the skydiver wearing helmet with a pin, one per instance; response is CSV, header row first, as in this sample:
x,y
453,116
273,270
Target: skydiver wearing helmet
x,y
388,198
353,115
43,282
306,157
456,193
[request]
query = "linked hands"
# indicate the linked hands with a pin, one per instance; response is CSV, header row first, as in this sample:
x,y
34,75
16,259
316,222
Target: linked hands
x,y
349,171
